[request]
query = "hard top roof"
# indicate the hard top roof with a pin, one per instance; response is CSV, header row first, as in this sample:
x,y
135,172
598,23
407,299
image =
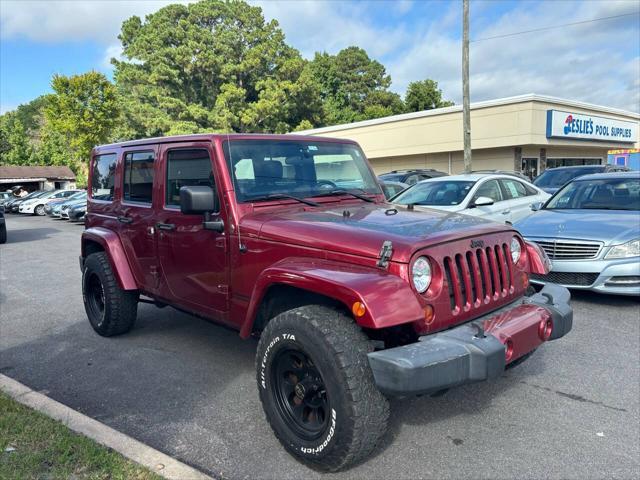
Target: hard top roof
x,y
207,137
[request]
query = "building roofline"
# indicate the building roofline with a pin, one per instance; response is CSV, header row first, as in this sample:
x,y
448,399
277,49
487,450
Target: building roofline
x,y
476,105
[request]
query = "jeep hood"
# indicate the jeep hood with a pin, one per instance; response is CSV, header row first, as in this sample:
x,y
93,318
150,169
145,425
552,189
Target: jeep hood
x,y
361,229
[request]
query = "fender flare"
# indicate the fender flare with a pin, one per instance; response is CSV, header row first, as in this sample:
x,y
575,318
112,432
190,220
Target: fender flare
x,y
380,291
115,253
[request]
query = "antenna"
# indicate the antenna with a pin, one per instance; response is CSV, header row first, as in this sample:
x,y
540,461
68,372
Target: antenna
x,y
242,248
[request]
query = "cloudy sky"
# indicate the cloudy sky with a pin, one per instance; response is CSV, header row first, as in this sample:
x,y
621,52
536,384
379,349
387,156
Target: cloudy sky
x,y
596,61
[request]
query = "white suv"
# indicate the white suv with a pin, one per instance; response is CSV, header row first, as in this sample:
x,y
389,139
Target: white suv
x,y
36,205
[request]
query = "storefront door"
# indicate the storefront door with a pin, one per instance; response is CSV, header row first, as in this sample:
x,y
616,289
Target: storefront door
x,y
531,167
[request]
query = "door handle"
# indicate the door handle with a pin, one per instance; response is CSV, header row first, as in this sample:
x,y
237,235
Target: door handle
x,y
125,219
506,212
165,226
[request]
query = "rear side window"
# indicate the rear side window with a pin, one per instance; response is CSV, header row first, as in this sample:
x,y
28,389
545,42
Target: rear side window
x,y
189,167
138,177
514,189
102,176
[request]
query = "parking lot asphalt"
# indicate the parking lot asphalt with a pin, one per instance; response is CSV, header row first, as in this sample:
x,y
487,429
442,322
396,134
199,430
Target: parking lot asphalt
x,y
187,387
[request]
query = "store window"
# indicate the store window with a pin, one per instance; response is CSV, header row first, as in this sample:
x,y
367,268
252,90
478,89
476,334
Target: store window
x,y
572,162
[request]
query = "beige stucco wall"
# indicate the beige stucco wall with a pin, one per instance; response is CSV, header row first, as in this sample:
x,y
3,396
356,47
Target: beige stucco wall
x,y
405,141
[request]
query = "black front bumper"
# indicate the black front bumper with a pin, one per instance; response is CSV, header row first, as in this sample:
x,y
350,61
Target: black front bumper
x,y
462,354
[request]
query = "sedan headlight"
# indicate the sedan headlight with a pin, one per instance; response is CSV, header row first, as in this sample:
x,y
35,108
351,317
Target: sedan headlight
x,y
516,249
421,274
629,249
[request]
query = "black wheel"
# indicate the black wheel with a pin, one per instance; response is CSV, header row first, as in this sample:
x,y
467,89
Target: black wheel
x,y
39,210
111,310
3,233
317,389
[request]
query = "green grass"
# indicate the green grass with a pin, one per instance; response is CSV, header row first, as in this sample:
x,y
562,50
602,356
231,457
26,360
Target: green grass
x,y
46,449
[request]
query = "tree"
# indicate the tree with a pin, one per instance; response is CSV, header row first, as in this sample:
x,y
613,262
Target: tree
x,y
424,95
81,113
354,87
15,148
212,65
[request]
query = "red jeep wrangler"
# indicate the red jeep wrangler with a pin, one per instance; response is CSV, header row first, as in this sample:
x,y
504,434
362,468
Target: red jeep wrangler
x,y
289,238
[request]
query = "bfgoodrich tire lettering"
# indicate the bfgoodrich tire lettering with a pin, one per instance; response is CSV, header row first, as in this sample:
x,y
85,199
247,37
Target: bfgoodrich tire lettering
x,y
111,310
328,352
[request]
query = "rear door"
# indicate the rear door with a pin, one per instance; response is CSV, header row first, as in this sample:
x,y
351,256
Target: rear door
x,y
519,198
136,215
193,260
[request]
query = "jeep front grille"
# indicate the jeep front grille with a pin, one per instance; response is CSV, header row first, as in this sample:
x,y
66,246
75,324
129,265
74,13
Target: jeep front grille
x,y
570,250
478,277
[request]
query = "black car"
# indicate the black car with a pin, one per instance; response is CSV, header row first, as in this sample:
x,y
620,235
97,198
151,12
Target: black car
x,y
411,177
552,179
3,226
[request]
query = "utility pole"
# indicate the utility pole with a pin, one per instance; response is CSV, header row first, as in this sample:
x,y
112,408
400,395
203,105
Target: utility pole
x,y
466,118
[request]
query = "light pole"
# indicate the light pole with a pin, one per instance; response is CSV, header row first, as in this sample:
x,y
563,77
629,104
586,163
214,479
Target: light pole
x,y
466,118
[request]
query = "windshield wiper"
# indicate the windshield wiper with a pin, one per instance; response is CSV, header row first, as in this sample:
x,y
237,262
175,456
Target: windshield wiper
x,y
344,192
281,196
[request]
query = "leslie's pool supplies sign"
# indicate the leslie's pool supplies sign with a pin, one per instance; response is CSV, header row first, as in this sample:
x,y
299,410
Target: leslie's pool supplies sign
x,y
589,127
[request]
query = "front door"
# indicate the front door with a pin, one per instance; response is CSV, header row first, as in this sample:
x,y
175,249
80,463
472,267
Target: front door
x,y
193,260
498,211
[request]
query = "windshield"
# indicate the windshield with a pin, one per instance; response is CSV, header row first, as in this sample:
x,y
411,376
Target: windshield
x,y
299,168
558,177
609,194
441,192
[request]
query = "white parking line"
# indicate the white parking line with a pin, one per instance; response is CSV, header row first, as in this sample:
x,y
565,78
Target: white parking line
x,y
158,462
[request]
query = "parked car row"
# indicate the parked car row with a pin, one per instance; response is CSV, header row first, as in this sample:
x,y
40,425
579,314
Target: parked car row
x,y
67,204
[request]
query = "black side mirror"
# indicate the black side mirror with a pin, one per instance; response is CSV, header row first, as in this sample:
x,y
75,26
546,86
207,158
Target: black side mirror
x,y
196,200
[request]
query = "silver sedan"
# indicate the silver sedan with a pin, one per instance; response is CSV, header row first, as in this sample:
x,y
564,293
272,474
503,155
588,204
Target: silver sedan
x,y
591,231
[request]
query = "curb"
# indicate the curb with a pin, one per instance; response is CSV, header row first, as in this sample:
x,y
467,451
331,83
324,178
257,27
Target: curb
x,y
156,461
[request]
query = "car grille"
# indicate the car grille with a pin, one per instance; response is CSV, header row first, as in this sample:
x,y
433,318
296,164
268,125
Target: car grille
x,y
570,250
478,276
567,278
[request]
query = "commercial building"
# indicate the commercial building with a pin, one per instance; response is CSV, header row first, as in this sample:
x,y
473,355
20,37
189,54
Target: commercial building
x,y
527,133
36,178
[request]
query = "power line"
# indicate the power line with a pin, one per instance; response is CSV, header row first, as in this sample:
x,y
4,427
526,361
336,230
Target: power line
x,y
555,26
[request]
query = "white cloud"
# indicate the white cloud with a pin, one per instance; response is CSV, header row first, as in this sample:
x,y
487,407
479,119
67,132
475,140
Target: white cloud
x,y
59,20
596,62
592,62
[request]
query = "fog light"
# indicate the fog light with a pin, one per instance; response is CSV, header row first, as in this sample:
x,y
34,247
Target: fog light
x,y
428,314
358,309
545,329
508,350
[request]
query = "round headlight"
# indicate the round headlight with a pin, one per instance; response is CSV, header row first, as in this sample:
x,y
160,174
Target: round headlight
x,y
421,274
516,249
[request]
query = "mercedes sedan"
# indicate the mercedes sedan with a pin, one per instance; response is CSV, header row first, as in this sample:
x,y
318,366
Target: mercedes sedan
x,y
590,230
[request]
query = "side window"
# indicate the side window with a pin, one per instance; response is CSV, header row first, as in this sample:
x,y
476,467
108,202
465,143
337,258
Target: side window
x,y
189,167
102,176
138,177
489,189
412,180
514,189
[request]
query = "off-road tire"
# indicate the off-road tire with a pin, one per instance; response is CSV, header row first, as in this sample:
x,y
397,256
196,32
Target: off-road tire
x,y
338,349
39,211
120,307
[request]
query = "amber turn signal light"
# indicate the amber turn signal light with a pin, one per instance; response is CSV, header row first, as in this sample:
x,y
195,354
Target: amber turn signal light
x,y
428,314
358,309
